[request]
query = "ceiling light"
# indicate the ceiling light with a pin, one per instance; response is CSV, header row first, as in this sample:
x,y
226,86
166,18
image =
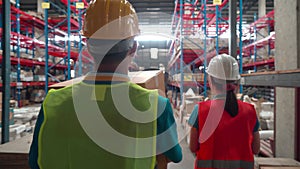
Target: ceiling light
x,y
151,38
153,9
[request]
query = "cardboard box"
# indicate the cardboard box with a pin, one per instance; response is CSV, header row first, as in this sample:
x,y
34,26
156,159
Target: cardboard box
x,y
153,79
261,163
199,77
11,117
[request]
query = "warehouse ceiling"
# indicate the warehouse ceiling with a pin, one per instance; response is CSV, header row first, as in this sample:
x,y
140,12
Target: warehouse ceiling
x,y
160,12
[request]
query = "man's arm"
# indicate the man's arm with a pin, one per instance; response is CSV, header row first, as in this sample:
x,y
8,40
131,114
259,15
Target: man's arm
x,y
256,138
194,133
167,142
33,152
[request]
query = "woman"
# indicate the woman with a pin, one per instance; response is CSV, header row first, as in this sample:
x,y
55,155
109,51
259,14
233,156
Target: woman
x,y
224,133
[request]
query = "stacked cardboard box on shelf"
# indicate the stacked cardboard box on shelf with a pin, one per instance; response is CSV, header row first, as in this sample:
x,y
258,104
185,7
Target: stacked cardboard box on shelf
x,y
26,76
37,95
11,113
199,77
198,43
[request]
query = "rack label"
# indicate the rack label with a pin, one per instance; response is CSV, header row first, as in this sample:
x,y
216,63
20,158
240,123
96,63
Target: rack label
x,y
19,85
217,2
242,81
45,5
79,5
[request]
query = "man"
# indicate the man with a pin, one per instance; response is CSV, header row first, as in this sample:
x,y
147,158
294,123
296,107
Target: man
x,y
105,121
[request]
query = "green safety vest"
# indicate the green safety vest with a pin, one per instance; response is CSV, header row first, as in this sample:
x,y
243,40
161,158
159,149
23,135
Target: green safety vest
x,y
65,144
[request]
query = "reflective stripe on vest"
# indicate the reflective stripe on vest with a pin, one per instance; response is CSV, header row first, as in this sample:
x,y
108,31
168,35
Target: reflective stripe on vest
x,y
224,164
65,143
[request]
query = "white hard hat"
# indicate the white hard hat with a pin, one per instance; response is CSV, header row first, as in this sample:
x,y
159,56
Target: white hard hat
x,y
224,67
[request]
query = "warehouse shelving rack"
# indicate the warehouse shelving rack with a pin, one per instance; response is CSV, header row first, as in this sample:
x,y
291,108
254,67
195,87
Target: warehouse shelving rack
x,y
197,19
24,26
23,39
24,22
251,48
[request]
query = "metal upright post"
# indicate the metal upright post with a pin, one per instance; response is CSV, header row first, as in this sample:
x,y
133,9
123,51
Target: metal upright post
x,y
205,53
255,39
217,29
241,42
46,48
232,27
27,35
33,32
181,52
18,56
69,42
1,25
80,45
5,70
269,32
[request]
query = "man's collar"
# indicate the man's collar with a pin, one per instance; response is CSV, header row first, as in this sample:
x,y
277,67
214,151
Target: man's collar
x,y
94,76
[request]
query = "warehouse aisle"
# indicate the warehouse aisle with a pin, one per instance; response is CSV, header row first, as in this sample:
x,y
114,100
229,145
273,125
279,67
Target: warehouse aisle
x,y
188,158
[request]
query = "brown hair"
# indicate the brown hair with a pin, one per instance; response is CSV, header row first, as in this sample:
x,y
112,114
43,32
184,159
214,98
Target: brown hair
x,y
231,104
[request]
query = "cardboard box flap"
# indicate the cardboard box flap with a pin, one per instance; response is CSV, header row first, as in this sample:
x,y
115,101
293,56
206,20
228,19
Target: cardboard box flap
x,y
153,79
143,76
66,83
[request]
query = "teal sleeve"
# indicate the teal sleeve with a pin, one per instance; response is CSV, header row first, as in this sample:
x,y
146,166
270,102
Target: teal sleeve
x,y
33,152
193,120
167,138
257,125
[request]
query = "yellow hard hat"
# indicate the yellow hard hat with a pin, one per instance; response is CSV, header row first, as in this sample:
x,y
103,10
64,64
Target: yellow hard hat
x,y
110,19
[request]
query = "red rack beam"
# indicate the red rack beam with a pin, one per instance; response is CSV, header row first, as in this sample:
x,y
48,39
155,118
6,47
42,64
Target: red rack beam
x,y
187,53
55,20
264,19
30,63
262,22
211,21
29,43
25,84
29,20
260,63
53,50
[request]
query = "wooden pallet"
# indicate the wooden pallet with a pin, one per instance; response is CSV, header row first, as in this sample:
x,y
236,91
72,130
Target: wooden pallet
x,y
14,155
265,148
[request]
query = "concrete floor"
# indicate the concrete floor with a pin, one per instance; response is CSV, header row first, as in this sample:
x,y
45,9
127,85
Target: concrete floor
x,y
188,158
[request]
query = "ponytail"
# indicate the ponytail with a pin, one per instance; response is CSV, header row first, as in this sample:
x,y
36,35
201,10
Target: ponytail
x,y
231,104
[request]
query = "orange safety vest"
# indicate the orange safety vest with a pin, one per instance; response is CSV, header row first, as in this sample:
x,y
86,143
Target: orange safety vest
x,y
225,141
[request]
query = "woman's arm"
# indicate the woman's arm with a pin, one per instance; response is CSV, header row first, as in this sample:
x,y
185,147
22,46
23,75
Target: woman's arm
x,y
194,140
256,143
